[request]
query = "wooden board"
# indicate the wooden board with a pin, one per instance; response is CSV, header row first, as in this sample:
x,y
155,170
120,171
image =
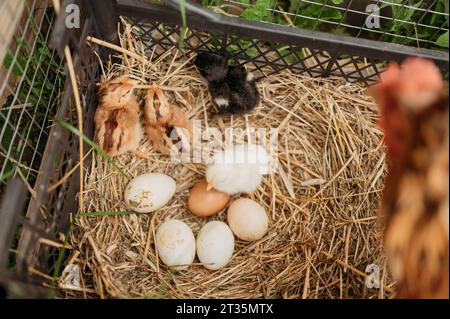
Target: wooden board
x,y
10,14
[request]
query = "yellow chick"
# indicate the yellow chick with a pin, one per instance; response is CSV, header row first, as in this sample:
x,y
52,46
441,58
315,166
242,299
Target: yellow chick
x,y
238,169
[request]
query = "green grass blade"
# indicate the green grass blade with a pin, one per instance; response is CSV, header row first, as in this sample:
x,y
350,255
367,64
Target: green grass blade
x,y
442,41
9,171
75,131
183,23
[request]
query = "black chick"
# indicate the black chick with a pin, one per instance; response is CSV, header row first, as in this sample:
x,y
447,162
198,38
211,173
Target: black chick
x,y
233,90
212,67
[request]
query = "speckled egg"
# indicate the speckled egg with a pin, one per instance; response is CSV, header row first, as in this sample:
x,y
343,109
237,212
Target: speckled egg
x,y
149,192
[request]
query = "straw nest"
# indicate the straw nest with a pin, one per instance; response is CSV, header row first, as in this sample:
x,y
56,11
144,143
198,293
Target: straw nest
x,y
322,203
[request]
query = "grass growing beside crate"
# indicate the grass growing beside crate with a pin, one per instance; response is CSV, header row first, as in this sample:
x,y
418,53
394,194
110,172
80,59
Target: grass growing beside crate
x,y
403,28
405,19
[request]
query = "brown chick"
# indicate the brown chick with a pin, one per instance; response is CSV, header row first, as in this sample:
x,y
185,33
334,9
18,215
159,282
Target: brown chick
x,y
161,118
414,109
117,127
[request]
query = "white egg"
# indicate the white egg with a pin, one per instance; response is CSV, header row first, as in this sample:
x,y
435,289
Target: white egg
x,y
175,244
215,245
247,219
149,192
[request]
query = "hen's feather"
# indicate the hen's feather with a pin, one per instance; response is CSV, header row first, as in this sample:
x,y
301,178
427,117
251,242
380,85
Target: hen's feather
x,y
414,110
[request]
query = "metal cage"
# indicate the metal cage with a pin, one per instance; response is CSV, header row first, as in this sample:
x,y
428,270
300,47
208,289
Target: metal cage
x,y
265,47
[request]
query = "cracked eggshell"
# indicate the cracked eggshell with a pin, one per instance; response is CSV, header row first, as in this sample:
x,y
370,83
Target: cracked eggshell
x,y
175,244
149,192
215,245
247,219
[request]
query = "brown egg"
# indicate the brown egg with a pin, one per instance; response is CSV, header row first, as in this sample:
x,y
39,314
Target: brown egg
x,y
206,203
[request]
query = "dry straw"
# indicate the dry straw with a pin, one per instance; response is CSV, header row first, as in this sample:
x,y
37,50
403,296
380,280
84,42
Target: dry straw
x,y
323,229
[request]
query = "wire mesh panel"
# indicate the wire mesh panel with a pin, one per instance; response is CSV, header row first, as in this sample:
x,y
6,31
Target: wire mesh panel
x,y
416,23
35,151
31,82
58,183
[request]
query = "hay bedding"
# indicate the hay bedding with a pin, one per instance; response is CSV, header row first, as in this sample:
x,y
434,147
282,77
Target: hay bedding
x,y
320,240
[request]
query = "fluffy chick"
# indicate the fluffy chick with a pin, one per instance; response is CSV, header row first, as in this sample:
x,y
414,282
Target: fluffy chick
x,y
237,94
117,127
161,118
213,67
232,89
238,169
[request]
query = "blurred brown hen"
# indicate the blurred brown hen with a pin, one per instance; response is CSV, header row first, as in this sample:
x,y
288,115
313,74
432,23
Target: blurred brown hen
x,y
117,127
414,107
